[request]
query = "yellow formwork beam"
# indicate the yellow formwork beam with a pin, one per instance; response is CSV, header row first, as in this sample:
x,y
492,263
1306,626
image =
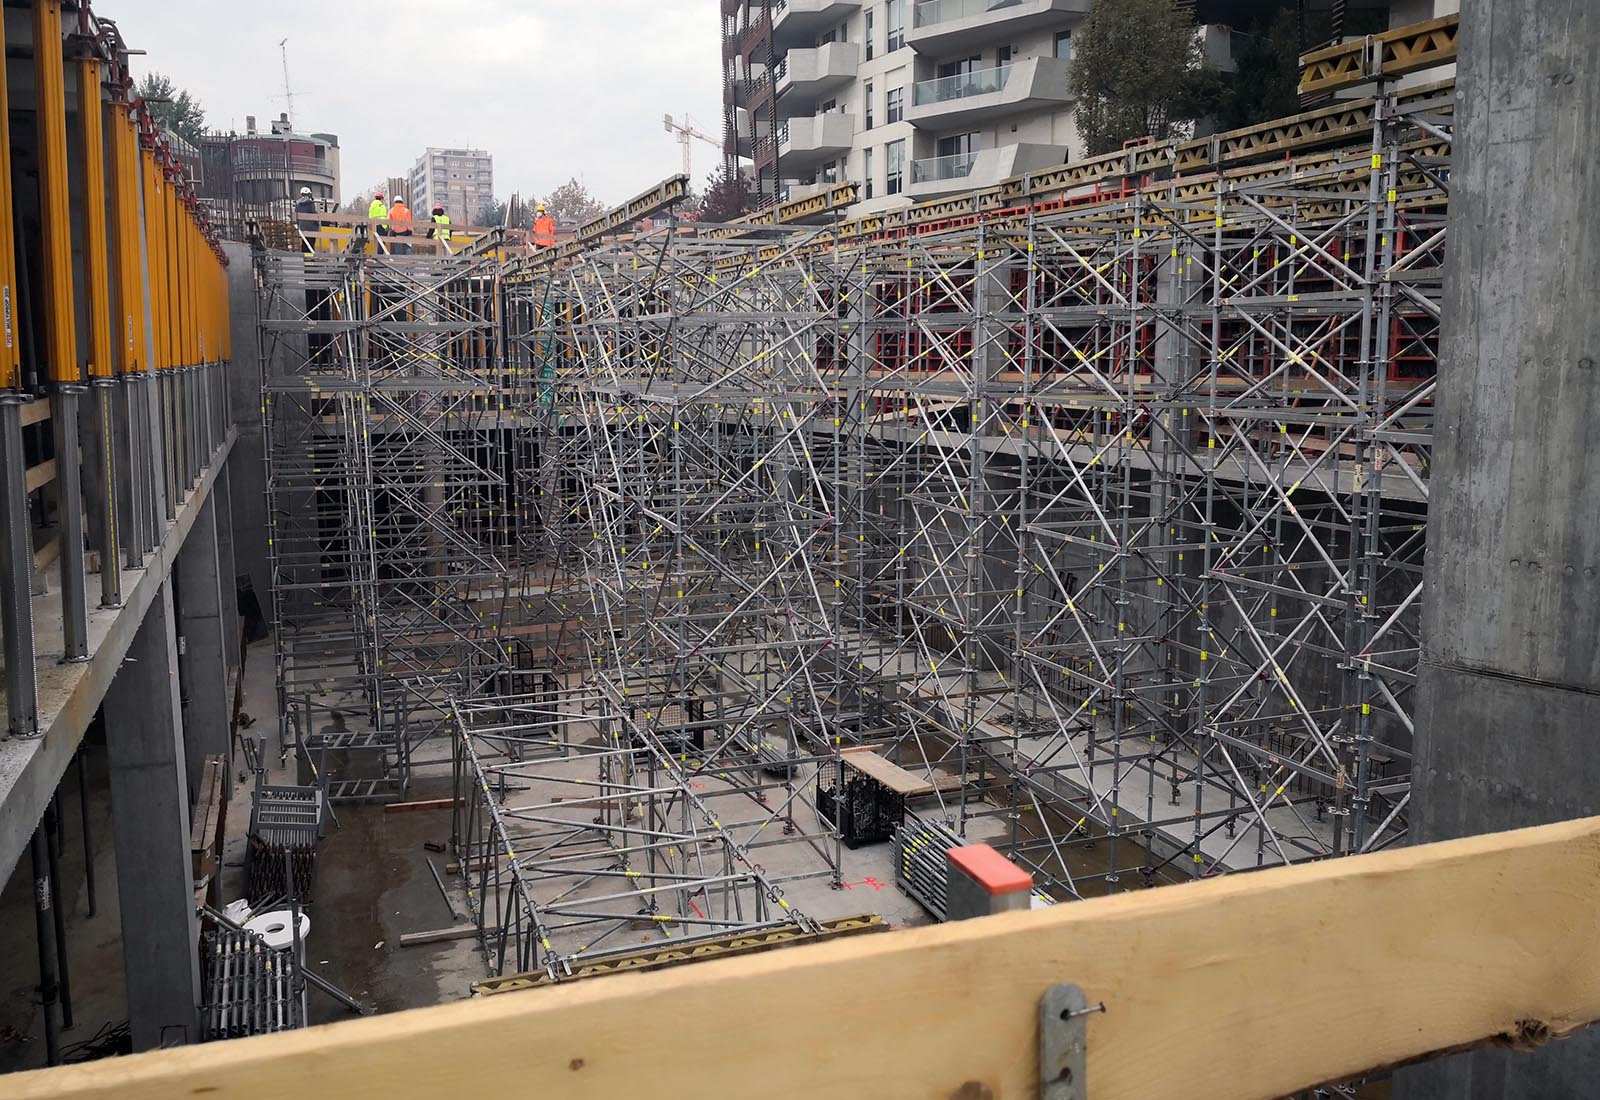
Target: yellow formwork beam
x,y
97,279
50,92
155,207
125,168
10,352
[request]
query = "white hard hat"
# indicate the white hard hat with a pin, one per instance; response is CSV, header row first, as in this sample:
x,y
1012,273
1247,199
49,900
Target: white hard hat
x,y
305,190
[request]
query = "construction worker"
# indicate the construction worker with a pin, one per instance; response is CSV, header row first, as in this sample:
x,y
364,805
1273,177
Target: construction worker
x,y
378,211
400,223
544,229
305,209
441,223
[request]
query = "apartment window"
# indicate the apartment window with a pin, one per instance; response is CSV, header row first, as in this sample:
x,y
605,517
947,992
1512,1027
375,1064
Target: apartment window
x,y
895,105
958,144
870,36
960,68
866,169
896,25
1064,45
868,125
1002,56
831,36
895,156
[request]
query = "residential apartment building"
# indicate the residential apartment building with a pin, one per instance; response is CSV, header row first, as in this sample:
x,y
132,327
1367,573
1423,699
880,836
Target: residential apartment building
x,y
461,179
917,100
749,118
914,99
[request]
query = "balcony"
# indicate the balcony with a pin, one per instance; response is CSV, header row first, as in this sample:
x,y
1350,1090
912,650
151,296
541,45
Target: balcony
x,y
798,22
807,76
950,26
744,145
936,176
806,142
985,95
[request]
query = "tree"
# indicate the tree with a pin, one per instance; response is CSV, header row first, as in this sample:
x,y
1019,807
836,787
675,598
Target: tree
x,y
174,109
727,196
1266,83
492,214
1137,72
362,201
572,205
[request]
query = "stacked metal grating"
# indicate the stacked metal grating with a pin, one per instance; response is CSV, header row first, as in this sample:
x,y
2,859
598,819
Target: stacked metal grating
x,y
920,870
285,831
250,989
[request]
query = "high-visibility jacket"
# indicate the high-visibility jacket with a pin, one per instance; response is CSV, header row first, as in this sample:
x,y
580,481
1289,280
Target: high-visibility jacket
x,y
400,218
544,231
441,229
377,209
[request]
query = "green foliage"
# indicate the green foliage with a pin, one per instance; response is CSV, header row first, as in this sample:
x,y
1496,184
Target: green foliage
x,y
1137,72
1266,84
726,197
571,204
174,109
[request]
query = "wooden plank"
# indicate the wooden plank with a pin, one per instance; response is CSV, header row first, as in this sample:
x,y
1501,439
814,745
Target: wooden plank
x,y
48,553
891,775
41,475
438,935
424,804
1245,987
34,412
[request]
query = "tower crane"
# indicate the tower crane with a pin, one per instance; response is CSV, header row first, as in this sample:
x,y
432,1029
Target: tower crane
x,y
685,131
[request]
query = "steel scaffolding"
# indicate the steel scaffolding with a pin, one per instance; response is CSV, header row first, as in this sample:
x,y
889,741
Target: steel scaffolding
x,y
383,406
1096,501
1112,506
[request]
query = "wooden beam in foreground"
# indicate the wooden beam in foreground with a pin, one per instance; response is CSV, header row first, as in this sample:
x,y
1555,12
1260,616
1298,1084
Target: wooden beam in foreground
x,y
1250,986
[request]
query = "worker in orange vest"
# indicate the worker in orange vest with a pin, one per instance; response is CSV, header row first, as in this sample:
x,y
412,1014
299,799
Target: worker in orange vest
x,y
544,229
400,224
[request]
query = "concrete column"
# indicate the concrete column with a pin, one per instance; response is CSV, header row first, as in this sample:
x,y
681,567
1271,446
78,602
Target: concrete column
x,y
1510,679
202,628
150,801
227,577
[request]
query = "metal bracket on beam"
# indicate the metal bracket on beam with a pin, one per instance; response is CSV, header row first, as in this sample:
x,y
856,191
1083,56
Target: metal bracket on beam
x,y
1063,1042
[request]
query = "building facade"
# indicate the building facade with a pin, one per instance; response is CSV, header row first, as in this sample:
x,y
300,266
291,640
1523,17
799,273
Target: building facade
x,y
259,175
750,120
461,179
917,100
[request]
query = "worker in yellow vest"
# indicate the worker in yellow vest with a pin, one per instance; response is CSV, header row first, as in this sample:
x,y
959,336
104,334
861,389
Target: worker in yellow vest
x,y
544,229
441,223
378,211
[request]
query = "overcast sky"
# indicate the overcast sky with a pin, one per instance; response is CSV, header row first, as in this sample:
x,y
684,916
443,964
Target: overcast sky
x,y
552,88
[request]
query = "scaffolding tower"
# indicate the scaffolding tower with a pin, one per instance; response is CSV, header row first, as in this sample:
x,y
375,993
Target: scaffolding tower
x,y
1095,500
384,410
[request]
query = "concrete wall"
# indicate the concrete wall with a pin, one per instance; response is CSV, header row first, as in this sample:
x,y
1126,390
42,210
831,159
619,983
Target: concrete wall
x,y
246,470
1510,693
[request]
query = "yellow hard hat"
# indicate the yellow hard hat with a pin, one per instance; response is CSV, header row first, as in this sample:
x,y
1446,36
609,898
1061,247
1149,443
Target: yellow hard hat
x,y
541,208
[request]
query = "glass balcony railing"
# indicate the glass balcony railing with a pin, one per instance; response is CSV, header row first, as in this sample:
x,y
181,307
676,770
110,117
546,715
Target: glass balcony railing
x,y
928,12
956,166
946,88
